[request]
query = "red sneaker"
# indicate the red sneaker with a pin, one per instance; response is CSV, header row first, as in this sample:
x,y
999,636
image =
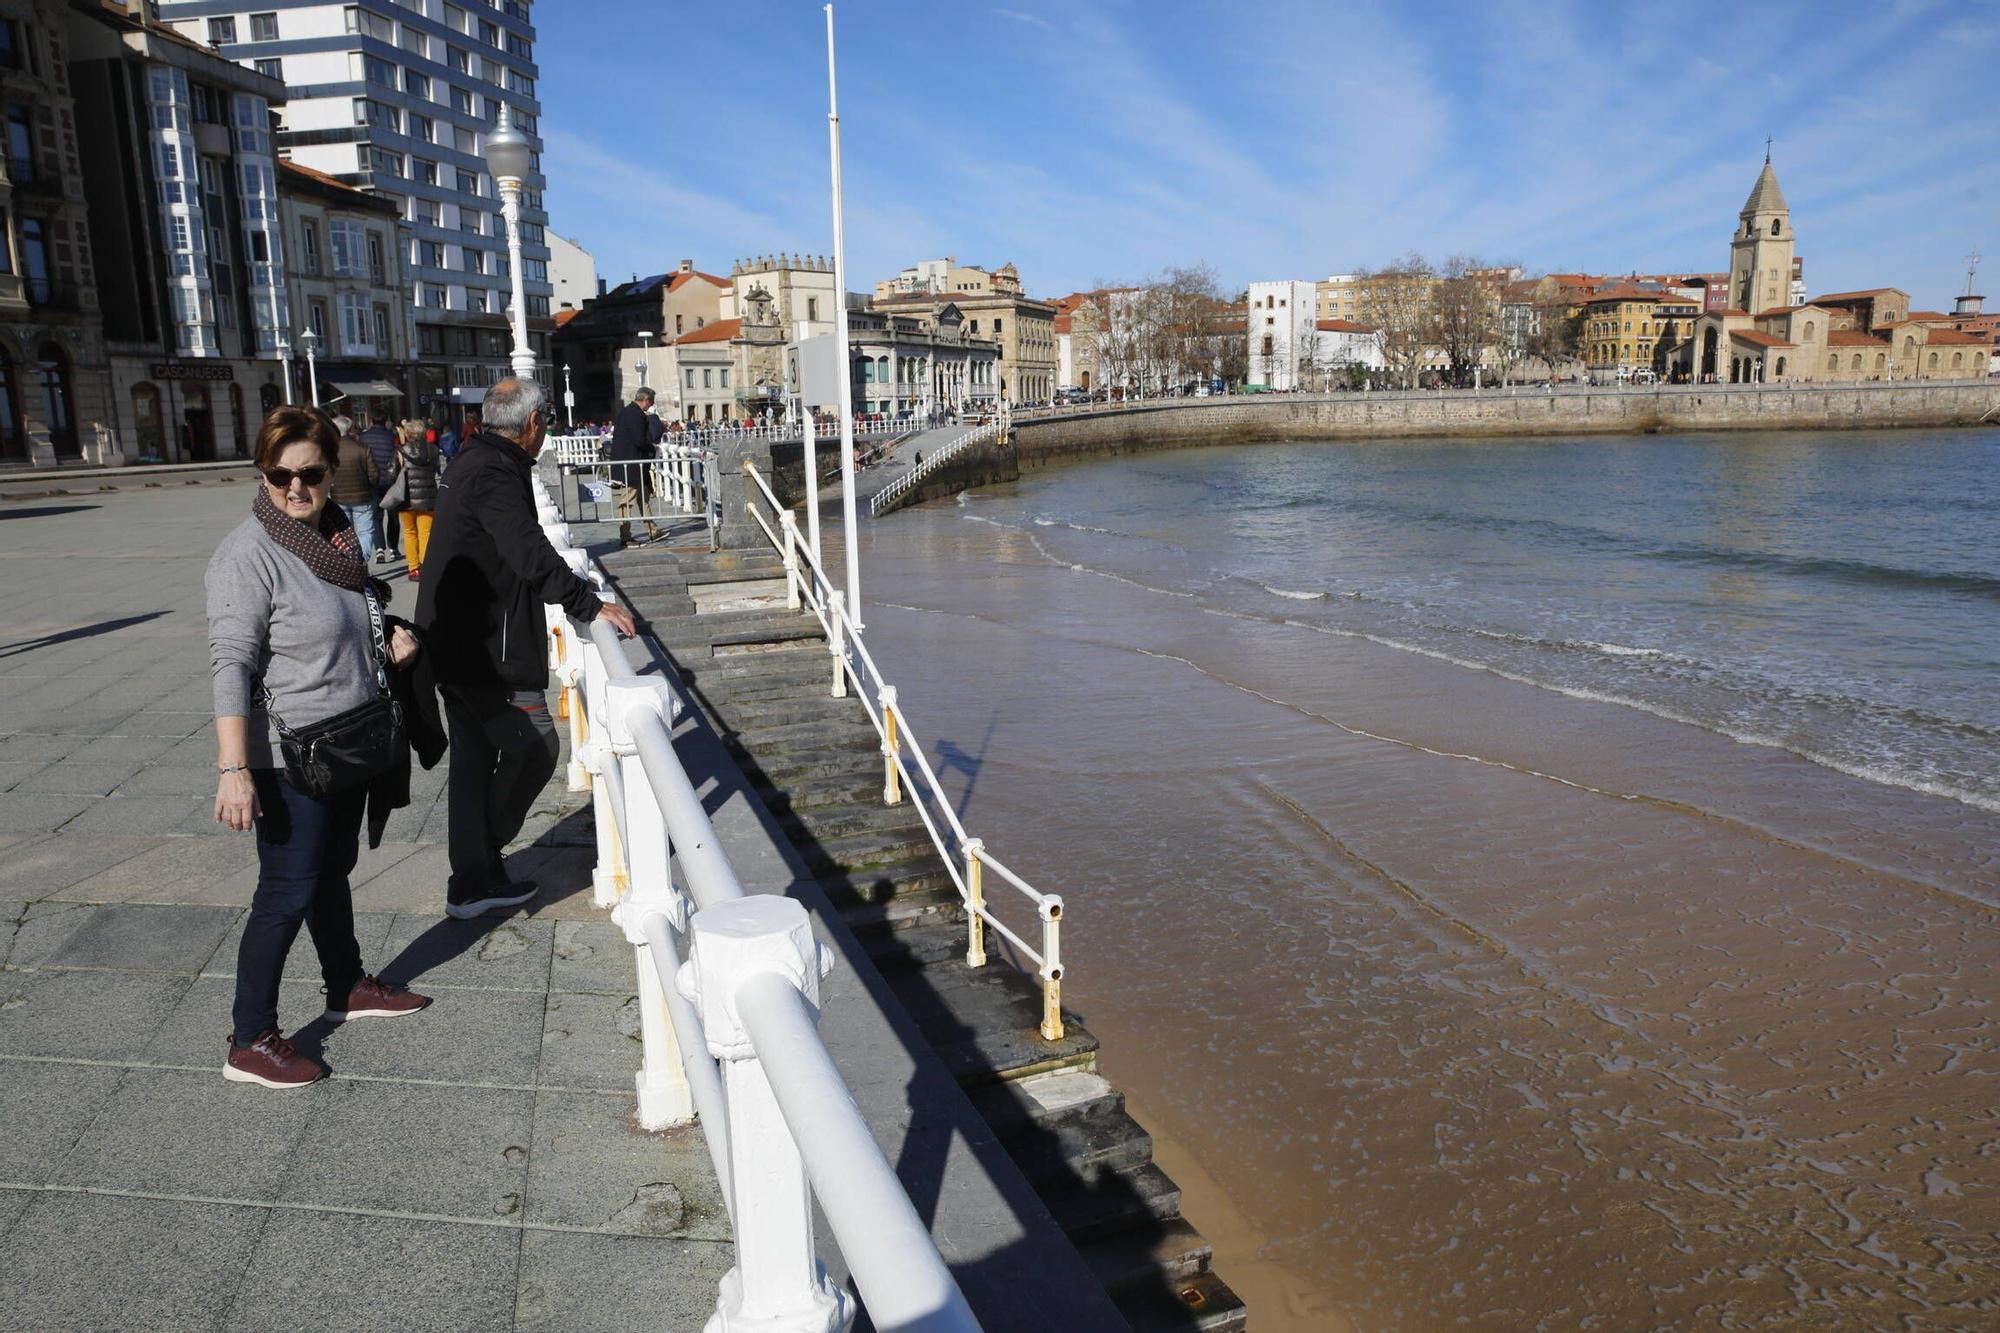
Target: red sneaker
x,y
376,999
271,1061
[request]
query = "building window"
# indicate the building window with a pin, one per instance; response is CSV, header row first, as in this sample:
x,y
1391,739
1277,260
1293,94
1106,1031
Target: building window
x,y
423,127
13,439
472,221
316,318
468,183
812,307
417,85
20,144
58,402
263,27
378,272
690,378
424,171
221,32
35,262
707,378
354,325
309,247
725,378
382,341
474,259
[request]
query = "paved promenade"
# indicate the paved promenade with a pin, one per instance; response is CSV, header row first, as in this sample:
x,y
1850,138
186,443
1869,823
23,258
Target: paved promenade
x,y
471,1167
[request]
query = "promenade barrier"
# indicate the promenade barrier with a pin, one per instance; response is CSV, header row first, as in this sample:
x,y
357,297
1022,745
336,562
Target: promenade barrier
x,y
906,771
729,994
586,447
679,480
886,498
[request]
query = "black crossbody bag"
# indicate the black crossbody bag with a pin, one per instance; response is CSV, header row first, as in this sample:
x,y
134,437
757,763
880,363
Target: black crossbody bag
x,y
353,748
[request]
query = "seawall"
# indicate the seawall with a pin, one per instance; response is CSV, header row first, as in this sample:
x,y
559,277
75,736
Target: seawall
x,y
1500,413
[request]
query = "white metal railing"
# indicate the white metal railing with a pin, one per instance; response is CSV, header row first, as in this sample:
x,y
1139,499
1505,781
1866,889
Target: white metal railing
x,y
901,486
905,768
729,995
678,480
586,447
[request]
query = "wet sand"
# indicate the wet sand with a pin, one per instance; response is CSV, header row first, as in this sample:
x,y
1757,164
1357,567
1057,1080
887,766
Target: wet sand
x,y
1456,1001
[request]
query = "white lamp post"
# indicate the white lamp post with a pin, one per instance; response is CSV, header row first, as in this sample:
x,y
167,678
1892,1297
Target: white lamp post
x,y
310,342
508,158
645,348
569,399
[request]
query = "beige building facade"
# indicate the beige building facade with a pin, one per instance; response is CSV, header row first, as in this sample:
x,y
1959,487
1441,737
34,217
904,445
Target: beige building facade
x,y
995,306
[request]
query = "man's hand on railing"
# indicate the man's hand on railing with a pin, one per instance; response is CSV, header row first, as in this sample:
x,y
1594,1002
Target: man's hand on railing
x,y
619,619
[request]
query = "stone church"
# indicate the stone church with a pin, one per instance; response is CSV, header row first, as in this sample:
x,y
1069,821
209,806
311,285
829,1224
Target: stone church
x,y
1760,338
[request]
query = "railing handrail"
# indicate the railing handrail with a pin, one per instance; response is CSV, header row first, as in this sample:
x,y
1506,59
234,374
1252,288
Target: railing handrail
x,y
740,1023
816,594
944,453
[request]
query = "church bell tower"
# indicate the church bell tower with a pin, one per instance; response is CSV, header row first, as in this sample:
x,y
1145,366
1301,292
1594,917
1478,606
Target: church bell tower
x,y
1760,258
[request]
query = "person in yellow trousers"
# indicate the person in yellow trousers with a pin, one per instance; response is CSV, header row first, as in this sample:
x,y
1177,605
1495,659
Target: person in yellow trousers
x,y
418,458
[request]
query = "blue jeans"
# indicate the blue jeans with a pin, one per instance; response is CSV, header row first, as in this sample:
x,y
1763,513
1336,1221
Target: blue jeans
x,y
306,848
363,518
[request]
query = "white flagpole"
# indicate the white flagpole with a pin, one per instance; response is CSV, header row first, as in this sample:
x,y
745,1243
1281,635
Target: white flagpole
x,y
846,370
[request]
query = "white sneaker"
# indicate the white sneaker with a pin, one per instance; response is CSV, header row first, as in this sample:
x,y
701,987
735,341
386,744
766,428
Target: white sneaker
x,y
522,891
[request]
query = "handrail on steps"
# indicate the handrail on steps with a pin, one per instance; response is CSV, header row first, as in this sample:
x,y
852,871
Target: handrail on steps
x,y
807,587
729,995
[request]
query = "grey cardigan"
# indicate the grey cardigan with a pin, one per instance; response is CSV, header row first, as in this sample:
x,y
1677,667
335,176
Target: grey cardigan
x,y
273,623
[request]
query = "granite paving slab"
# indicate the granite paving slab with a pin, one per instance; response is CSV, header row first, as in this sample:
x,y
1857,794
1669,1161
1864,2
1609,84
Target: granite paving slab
x,y
347,1273
241,1148
35,931
147,938
414,1148
50,864
504,952
571,1283
46,1109
592,957
593,1168
85,1015
591,1041
168,865
128,815
171,1262
465,1036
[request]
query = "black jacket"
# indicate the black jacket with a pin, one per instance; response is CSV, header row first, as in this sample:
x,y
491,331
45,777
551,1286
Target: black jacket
x,y
631,434
381,442
420,460
489,571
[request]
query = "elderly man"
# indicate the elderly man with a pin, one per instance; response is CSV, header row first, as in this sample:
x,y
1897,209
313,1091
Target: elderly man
x,y
487,575
633,437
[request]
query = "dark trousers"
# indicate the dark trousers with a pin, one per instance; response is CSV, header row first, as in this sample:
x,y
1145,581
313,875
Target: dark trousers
x,y
503,752
306,849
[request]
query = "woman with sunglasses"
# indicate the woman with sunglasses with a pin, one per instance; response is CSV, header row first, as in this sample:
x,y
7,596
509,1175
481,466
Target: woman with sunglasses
x,y
292,637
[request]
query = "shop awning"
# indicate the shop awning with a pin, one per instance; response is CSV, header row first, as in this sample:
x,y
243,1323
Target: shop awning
x,y
369,389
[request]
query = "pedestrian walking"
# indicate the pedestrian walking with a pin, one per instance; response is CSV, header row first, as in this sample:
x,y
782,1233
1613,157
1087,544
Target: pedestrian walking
x,y
299,645
355,486
418,458
381,443
491,571
631,448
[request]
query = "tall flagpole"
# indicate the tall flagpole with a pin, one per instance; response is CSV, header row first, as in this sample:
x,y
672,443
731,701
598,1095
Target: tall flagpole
x,y
840,343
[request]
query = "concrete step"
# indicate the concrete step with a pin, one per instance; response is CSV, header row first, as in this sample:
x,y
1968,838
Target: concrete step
x,y
1198,1303
796,703
1144,1257
909,932
843,729
693,640
867,851
858,784
783,767
1143,1196
1082,1151
991,1057
1071,1096
838,821
916,882
800,668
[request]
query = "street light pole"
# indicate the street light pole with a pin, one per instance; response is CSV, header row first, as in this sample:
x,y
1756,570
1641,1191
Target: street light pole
x,y
569,399
645,351
507,157
310,341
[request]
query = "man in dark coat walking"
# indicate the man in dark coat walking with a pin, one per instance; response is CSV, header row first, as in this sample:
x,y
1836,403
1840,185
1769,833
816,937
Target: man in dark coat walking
x,y
380,437
488,574
634,434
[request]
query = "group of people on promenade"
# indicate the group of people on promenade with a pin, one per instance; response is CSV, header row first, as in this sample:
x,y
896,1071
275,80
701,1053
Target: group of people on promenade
x,y
322,699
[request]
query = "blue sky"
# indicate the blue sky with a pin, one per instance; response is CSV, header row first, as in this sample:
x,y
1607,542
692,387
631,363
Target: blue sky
x,y
1091,142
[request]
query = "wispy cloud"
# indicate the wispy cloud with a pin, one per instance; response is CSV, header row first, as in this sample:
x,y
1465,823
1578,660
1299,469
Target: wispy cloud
x,y
1114,137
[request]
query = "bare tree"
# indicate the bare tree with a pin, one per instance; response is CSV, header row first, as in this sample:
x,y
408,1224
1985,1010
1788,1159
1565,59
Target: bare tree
x,y
1397,301
1464,315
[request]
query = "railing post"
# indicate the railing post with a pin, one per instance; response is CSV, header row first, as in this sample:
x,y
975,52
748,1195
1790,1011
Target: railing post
x,y
836,641
892,789
778,1283
662,1083
975,903
788,529
1051,913
608,878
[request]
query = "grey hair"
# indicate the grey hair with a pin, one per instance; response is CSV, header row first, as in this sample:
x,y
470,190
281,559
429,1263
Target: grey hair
x,y
509,404
644,395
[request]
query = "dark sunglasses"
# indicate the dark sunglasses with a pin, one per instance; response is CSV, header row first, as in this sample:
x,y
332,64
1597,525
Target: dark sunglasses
x,y
281,477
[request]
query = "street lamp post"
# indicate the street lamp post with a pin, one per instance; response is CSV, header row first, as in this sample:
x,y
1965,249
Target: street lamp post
x,y
310,342
508,158
645,349
569,399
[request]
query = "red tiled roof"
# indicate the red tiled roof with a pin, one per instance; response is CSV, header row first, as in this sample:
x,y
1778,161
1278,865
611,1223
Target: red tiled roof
x,y
1928,314
1955,338
720,331
1757,339
565,316
678,280
1778,310
1627,292
1342,326
1854,338
1851,296
1062,323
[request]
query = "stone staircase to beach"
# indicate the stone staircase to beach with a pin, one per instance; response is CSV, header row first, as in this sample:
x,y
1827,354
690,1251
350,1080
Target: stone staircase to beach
x,y
761,673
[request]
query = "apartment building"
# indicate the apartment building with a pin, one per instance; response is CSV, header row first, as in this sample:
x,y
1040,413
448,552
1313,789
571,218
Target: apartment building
x,y
396,97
